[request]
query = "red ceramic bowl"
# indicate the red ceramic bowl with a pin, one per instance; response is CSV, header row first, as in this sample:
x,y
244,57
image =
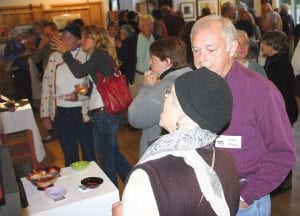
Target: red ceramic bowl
x,y
43,178
92,182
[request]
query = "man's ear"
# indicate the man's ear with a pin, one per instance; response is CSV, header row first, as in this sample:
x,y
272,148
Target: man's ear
x,y
233,48
168,60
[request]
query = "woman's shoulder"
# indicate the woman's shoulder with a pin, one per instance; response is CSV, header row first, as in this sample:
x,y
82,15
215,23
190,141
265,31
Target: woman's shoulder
x,y
100,52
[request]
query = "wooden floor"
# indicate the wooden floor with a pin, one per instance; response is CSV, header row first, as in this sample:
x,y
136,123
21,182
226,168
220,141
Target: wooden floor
x,y
285,204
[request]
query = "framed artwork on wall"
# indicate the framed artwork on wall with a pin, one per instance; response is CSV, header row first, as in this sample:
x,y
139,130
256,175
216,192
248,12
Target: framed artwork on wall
x,y
187,9
114,5
211,4
249,3
62,20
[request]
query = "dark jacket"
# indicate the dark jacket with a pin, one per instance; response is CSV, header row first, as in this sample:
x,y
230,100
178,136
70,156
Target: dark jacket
x,y
128,58
13,51
280,72
174,24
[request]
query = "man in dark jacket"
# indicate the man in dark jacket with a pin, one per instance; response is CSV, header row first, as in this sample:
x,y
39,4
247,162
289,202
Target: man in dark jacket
x,y
134,54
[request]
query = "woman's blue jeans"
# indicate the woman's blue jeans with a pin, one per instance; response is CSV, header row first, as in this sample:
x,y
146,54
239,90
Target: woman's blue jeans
x,y
71,130
261,207
112,161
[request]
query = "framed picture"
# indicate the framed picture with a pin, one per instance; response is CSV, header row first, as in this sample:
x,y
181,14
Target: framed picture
x,y
212,5
62,20
187,9
249,3
114,5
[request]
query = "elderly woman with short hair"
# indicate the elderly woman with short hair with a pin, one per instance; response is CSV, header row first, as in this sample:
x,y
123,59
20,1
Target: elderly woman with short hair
x,y
167,61
182,173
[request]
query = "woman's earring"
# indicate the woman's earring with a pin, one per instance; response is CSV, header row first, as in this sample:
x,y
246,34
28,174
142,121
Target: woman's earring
x,y
177,125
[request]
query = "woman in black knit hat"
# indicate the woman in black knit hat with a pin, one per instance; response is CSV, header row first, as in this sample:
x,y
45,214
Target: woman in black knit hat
x,y
182,173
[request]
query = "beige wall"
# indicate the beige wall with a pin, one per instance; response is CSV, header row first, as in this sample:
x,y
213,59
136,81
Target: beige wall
x,y
12,14
46,3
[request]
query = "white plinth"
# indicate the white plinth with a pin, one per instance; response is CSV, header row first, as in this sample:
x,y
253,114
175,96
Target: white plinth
x,y
79,202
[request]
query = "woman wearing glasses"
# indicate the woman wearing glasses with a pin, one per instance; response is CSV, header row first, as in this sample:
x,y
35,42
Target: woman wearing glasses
x,y
182,173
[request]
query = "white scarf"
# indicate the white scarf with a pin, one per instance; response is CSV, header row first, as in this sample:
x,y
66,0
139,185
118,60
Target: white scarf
x,y
183,143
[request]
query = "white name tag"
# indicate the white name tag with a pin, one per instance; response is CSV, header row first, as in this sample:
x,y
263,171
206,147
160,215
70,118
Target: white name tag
x,y
225,141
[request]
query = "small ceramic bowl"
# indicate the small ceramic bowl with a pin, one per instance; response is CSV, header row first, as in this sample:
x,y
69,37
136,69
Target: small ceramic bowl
x,y
43,178
56,192
91,182
80,165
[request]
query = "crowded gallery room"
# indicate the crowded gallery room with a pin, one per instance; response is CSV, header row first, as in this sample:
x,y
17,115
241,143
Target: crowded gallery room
x,y
149,107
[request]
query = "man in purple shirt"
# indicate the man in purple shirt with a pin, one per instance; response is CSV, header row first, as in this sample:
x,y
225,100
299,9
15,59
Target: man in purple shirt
x,y
259,135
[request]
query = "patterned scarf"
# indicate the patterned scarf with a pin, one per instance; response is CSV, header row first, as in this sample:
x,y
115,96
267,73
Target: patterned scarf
x,y
183,143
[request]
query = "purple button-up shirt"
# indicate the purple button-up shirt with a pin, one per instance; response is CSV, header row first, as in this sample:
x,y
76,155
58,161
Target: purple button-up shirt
x,y
268,150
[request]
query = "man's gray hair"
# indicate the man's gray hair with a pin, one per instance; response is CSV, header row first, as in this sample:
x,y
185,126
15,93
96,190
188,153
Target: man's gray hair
x,y
128,30
228,28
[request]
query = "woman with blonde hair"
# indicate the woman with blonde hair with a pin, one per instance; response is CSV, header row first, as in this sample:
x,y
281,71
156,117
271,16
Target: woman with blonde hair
x,y
101,57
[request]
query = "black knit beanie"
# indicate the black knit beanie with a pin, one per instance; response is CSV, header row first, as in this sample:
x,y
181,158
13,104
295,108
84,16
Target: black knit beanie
x,y
206,98
74,29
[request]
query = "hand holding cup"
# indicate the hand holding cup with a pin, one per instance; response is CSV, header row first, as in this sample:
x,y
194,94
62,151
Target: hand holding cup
x,y
82,88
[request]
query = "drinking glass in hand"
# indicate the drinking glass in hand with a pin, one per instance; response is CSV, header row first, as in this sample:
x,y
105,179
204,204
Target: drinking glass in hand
x,y
82,88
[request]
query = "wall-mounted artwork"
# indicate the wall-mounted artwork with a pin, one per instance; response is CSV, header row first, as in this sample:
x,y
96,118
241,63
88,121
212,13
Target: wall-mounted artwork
x,y
249,3
62,20
114,5
187,9
211,4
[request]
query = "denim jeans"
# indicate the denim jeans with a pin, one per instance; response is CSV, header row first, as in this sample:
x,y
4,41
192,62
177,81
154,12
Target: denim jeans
x,y
70,129
112,161
261,207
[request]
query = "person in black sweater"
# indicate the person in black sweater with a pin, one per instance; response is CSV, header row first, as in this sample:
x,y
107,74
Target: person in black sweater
x,y
279,69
